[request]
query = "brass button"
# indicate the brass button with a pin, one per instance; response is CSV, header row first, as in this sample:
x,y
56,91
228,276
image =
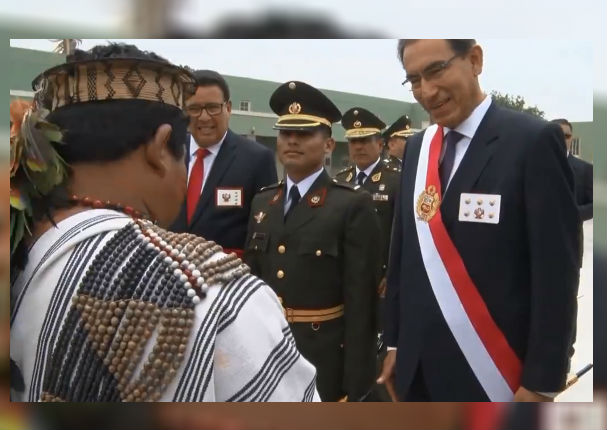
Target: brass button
x,y
281,249
315,326
280,274
318,252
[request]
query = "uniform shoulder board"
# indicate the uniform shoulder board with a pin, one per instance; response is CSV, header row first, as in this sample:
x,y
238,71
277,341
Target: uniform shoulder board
x,y
346,170
346,185
272,187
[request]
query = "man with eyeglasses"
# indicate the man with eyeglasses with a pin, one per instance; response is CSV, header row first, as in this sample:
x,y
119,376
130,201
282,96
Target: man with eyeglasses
x,y
482,278
225,170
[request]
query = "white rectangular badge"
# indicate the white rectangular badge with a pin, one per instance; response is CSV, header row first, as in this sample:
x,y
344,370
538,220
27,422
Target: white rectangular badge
x,y
228,197
484,208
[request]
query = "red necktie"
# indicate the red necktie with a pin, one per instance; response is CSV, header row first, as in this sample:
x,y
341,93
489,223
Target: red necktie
x,y
195,184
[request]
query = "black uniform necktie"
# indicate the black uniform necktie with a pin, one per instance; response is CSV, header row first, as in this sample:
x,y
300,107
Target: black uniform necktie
x,y
446,165
360,179
294,196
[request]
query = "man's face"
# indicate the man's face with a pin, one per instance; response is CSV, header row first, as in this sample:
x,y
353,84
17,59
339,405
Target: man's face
x,y
396,146
568,135
449,93
364,151
303,152
208,129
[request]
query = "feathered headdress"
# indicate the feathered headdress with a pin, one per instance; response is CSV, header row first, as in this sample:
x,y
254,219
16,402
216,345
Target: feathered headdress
x,y
35,166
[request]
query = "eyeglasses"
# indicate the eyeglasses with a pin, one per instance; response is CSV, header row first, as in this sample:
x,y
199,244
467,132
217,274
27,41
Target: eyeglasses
x,y
433,71
212,109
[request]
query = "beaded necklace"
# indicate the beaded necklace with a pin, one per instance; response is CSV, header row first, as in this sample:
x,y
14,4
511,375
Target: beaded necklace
x,y
144,281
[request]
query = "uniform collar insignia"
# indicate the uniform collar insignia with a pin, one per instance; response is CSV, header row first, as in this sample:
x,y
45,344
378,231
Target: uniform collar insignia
x,y
277,196
317,198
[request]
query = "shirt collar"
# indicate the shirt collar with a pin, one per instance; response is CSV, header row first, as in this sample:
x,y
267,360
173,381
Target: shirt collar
x,y
304,185
369,169
469,126
213,149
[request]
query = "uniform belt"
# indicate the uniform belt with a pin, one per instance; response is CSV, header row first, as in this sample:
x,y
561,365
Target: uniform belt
x,y
313,315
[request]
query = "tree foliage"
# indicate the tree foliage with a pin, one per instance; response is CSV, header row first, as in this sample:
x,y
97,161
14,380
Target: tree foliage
x,y
516,103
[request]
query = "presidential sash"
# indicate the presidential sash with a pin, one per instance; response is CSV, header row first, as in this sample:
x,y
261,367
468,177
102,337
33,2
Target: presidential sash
x,y
495,364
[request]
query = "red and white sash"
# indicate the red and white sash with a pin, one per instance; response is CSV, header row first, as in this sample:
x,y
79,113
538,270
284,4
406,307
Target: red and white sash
x,y
485,347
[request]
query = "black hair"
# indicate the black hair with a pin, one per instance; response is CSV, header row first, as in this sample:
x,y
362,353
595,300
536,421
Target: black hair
x,y
110,129
206,78
114,50
563,121
458,46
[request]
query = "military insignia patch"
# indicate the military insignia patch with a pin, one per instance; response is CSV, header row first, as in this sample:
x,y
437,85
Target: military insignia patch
x,y
276,196
294,108
357,124
349,177
259,217
378,197
428,203
382,187
318,198
376,177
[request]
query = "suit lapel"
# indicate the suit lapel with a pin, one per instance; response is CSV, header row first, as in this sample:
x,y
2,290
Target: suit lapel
x,y
220,166
481,149
305,211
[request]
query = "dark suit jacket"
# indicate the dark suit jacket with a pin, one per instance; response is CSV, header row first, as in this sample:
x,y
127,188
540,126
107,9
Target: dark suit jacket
x,y
525,267
582,173
326,257
240,163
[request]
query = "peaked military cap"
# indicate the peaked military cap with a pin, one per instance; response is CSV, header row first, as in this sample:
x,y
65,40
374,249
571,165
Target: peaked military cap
x,y
300,106
359,122
400,128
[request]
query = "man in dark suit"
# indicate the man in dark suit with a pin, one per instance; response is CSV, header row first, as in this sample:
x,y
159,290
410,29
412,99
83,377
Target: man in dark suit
x,y
225,170
313,240
582,173
482,278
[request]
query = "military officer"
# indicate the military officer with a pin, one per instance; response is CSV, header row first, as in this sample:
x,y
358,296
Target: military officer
x,y
396,138
311,238
363,131
372,173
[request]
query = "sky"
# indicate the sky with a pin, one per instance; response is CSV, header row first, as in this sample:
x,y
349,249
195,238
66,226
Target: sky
x,y
551,52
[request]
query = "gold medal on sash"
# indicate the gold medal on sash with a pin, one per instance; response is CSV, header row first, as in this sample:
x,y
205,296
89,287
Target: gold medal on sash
x,y
428,203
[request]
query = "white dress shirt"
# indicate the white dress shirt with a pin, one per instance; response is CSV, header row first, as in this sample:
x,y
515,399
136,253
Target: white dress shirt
x,y
367,171
302,186
467,129
208,160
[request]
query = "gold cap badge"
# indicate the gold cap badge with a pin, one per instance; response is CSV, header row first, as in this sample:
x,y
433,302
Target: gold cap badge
x,y
294,108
